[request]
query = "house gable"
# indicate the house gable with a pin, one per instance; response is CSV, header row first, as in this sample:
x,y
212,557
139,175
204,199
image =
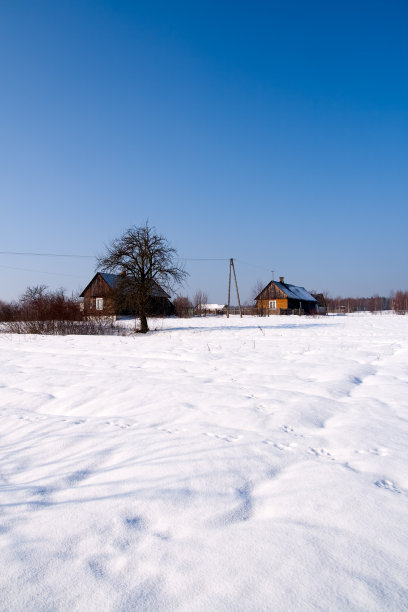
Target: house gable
x,y
101,285
271,292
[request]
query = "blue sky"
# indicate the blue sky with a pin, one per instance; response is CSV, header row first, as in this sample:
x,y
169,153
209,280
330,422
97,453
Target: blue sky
x,y
272,132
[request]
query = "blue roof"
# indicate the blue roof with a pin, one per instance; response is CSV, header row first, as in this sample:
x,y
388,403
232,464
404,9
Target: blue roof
x,y
291,291
296,293
111,279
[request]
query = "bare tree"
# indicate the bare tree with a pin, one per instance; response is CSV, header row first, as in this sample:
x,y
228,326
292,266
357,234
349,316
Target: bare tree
x,y
399,301
146,265
200,299
256,289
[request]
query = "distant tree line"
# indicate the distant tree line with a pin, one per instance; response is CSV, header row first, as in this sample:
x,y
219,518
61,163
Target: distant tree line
x,y
397,301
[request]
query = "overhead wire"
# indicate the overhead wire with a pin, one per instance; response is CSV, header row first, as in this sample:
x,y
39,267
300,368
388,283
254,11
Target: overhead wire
x,y
82,256
45,254
205,258
32,254
246,263
40,271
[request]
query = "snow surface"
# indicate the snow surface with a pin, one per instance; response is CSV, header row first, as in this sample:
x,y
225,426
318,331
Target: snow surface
x,y
215,464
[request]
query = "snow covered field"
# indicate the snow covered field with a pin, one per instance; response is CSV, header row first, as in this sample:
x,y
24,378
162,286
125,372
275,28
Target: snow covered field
x,y
215,464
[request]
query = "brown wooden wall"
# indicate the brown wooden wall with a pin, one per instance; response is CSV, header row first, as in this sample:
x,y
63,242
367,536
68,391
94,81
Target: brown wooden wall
x,y
90,306
98,289
272,292
280,303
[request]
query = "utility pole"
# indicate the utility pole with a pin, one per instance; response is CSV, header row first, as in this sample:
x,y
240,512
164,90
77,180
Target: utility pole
x,y
229,290
232,267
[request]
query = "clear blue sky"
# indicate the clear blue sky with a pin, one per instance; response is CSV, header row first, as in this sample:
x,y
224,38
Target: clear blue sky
x,y
272,132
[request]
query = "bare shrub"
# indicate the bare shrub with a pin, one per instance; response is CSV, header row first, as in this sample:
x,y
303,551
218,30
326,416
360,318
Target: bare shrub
x,y
45,312
8,311
182,307
40,305
97,326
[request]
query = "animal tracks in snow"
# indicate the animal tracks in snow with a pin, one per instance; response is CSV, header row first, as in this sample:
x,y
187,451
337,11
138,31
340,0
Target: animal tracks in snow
x,y
225,437
388,485
290,430
379,452
287,447
321,452
33,417
136,523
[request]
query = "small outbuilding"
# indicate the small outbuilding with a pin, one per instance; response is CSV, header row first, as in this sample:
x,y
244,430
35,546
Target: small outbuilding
x,y
282,298
210,309
99,298
321,303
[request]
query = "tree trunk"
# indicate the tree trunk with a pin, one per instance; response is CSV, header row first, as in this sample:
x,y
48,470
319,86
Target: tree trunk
x,y
144,328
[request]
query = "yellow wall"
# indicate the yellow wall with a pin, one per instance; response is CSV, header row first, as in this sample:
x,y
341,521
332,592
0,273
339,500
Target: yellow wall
x,y
264,304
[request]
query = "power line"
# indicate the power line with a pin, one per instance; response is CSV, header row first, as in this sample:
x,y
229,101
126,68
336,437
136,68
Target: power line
x,y
46,254
204,259
41,271
31,254
246,263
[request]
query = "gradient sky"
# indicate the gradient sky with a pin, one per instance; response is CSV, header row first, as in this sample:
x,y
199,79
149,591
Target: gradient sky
x,y
272,132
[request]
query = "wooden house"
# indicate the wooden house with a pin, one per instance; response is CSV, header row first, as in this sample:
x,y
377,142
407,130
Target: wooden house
x,y
282,298
100,292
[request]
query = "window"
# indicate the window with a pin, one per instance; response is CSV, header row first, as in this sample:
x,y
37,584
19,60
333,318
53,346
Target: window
x,y
99,303
272,304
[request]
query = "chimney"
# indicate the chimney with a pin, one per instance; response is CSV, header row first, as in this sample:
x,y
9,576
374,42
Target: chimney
x,y
282,280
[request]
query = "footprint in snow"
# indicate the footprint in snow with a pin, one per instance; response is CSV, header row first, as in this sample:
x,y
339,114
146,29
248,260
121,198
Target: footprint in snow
x,y
97,569
290,430
380,452
226,438
388,485
286,447
137,523
121,425
320,452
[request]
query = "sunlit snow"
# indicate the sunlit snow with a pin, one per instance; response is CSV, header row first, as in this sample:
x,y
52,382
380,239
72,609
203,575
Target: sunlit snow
x,y
213,464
